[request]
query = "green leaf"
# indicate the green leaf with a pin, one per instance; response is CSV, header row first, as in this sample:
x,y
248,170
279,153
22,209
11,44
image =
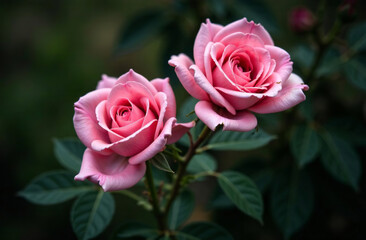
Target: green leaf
x,y
227,140
304,145
243,192
203,231
133,229
69,152
181,209
141,29
355,70
341,160
54,187
91,213
258,171
202,163
291,201
161,163
357,37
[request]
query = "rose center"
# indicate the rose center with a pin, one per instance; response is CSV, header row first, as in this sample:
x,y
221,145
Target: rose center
x,y
124,113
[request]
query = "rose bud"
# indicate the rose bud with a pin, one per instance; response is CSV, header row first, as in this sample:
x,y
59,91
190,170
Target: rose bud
x,y
301,20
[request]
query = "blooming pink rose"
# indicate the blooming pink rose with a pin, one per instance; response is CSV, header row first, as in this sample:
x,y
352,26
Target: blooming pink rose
x,y
238,71
124,123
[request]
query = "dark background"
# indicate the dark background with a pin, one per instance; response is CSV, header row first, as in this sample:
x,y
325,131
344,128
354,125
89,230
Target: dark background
x,y
52,53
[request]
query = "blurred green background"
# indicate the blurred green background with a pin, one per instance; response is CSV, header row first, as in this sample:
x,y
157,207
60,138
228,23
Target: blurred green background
x,y
53,52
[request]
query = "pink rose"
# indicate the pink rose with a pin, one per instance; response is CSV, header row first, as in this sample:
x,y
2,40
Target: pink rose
x,y
238,71
124,123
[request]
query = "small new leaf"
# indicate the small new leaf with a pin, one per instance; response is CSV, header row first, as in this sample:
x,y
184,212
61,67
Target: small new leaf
x,y
160,162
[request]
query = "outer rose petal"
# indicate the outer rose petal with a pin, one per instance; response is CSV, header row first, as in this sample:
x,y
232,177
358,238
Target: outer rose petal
x,y
216,97
132,76
112,172
245,27
179,129
290,95
106,82
85,121
283,63
161,99
156,146
182,64
243,121
162,85
205,35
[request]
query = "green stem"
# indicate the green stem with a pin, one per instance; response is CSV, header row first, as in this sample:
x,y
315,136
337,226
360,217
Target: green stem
x,y
154,198
182,168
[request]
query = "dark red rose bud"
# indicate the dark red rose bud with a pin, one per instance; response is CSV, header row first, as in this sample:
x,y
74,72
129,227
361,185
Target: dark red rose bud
x,y
301,20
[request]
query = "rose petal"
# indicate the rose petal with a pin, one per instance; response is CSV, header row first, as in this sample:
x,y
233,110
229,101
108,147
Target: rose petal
x,y
106,82
156,146
205,35
85,120
125,131
135,77
245,27
130,145
104,122
239,100
182,64
179,129
240,39
290,95
243,121
208,62
162,85
283,63
216,97
161,99
134,92
112,172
